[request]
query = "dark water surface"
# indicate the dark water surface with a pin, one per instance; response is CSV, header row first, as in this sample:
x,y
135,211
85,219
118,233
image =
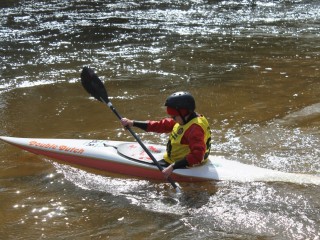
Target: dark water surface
x,y
253,67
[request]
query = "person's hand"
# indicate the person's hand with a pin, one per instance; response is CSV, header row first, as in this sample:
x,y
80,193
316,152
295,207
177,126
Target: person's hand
x,y
167,171
126,122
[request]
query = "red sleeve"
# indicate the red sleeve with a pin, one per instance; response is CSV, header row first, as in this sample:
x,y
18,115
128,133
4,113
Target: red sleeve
x,y
194,137
163,126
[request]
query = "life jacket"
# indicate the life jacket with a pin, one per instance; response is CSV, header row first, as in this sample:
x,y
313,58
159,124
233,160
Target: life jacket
x,y
177,151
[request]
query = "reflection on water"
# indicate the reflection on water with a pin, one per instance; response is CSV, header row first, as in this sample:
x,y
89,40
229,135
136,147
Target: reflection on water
x,y
253,67
49,41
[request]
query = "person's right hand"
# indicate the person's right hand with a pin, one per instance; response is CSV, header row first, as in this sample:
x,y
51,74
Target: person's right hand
x,y
126,122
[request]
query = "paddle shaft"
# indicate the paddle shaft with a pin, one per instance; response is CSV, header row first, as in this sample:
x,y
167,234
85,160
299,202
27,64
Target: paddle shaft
x,y
109,104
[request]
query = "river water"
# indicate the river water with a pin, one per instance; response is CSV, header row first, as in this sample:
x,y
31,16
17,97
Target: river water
x,y
253,68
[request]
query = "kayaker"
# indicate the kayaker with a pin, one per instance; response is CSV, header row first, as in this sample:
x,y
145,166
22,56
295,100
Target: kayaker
x,y
190,138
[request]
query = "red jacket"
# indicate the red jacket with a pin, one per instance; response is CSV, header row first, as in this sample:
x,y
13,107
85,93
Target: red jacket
x,y
194,137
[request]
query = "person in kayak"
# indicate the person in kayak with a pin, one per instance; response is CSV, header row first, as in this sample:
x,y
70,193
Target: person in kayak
x,y
190,139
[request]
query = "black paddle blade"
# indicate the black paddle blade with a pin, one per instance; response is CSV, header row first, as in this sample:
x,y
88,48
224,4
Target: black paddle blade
x,y
93,85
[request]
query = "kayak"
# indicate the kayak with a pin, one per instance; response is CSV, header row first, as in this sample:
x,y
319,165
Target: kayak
x,y
128,158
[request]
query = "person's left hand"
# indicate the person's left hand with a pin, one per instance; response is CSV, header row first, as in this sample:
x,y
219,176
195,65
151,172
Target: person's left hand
x,y
167,171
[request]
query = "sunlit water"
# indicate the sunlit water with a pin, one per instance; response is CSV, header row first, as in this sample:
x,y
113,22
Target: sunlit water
x,y
253,67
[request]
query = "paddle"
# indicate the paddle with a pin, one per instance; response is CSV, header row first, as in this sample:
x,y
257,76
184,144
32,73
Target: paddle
x,y
91,82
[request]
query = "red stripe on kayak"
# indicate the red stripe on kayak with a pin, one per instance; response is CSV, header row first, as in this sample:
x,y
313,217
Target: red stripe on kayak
x,y
110,166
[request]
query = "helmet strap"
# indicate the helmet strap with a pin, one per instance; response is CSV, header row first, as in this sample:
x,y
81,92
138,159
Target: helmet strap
x,y
182,117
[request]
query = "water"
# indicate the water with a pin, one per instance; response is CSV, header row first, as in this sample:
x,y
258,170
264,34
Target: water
x,y
253,67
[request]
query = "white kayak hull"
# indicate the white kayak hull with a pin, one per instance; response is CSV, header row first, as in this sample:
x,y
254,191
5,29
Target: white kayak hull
x,y
129,159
